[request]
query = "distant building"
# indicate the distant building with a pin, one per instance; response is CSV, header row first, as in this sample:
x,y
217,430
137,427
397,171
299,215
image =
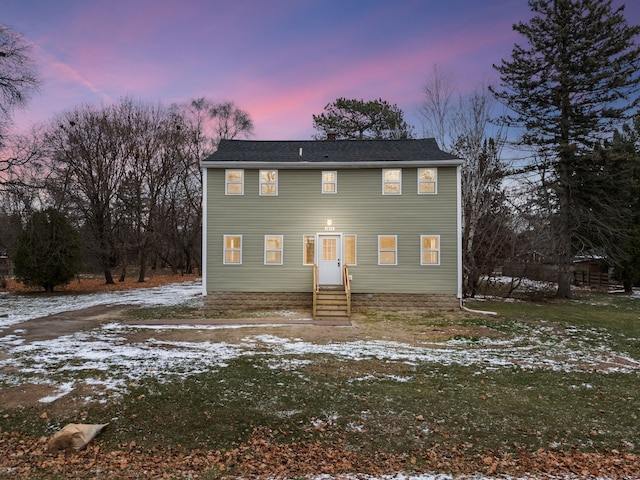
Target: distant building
x,y
5,264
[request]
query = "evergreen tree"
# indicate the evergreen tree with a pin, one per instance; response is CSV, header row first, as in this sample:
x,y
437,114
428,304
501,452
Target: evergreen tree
x,y
626,146
577,77
48,252
351,119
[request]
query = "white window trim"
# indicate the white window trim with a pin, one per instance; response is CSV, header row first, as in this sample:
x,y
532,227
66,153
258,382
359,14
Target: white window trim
x,y
335,183
225,250
434,181
395,250
313,261
390,183
423,250
355,245
261,183
227,182
281,250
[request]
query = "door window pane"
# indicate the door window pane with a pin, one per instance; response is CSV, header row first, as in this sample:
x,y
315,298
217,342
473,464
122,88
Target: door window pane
x,y
329,252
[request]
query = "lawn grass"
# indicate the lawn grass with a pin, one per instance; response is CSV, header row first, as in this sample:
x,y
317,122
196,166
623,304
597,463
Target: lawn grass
x,y
613,319
395,406
431,406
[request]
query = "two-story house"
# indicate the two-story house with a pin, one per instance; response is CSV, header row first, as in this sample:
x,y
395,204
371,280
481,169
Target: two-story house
x,y
286,220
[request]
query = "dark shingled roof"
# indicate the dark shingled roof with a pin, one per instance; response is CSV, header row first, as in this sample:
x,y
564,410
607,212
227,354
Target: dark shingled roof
x,y
347,151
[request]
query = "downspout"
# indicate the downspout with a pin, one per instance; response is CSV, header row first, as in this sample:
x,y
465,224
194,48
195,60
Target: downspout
x,y
459,228
459,221
483,312
204,231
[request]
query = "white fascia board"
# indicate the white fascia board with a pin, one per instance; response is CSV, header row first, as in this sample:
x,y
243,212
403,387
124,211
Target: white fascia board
x,y
334,165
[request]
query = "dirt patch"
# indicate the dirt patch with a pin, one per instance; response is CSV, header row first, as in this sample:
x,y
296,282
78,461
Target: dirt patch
x,y
24,395
67,323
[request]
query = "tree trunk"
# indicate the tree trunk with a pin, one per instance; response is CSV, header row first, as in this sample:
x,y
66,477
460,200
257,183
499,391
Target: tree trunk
x,y
564,232
108,277
123,274
564,278
143,265
628,286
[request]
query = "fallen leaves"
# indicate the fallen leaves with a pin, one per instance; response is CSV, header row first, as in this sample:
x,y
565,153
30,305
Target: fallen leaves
x,y
92,284
264,455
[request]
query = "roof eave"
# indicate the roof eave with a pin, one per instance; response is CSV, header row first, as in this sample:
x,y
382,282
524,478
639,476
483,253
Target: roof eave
x,y
309,165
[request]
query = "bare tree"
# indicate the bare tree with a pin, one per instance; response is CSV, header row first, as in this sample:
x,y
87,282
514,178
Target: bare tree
x,y
18,75
88,161
437,107
462,125
153,142
212,122
204,125
230,121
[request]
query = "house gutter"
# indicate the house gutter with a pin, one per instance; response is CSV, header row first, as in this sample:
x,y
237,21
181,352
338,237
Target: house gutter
x,y
327,164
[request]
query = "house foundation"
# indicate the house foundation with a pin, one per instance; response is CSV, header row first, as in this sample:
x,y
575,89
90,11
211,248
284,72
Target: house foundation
x,y
219,302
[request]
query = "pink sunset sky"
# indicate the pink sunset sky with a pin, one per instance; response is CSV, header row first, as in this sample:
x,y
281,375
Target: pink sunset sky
x,y
280,60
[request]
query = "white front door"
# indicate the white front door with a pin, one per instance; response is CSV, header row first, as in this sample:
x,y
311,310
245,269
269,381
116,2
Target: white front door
x,y
329,260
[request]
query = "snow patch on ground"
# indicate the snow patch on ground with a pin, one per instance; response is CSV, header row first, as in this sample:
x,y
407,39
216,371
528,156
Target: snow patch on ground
x,y
108,358
20,307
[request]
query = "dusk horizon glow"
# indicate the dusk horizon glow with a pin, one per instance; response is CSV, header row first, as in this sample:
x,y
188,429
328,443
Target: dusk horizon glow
x,y
280,61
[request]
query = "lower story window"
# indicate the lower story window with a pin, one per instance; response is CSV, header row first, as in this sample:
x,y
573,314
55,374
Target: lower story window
x,y
387,249
273,249
429,249
232,250
350,249
308,249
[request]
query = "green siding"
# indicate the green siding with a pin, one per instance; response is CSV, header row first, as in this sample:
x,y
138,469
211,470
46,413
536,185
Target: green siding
x,y
358,208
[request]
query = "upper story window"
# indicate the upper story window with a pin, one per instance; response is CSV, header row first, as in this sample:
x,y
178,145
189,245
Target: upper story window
x,y
273,245
232,250
387,249
392,181
429,249
427,181
268,182
234,182
329,182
